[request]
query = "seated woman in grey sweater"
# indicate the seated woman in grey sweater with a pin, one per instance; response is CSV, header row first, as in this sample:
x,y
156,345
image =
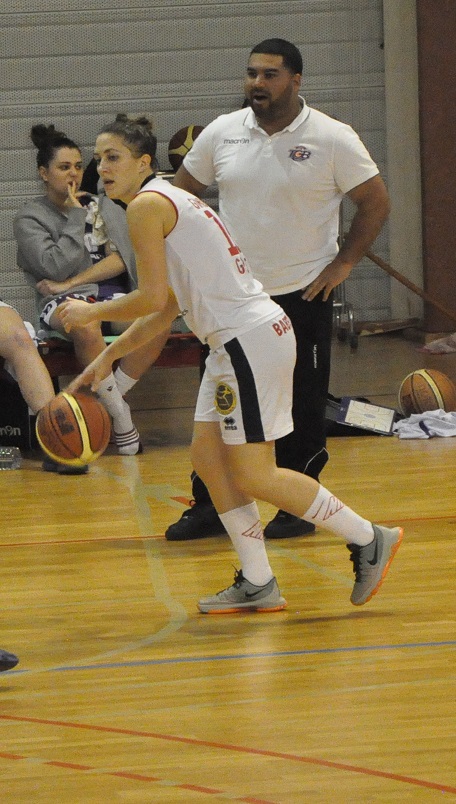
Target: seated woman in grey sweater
x,y
73,245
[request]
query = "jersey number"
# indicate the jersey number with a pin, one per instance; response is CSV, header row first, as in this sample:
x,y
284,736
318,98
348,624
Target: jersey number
x,y
233,248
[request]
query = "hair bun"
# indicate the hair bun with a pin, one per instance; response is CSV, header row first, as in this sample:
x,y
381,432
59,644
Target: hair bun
x,y
143,121
41,134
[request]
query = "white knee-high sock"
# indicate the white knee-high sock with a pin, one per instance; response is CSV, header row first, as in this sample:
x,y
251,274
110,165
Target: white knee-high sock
x,y
123,381
246,533
125,433
329,512
114,404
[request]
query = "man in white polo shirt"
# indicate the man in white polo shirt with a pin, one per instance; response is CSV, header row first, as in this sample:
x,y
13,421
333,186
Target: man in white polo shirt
x,y
282,170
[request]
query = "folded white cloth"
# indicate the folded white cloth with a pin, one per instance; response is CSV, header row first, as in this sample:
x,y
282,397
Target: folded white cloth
x,y
427,425
97,234
441,346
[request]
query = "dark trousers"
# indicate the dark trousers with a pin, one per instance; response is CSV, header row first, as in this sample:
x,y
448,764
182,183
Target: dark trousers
x,y
304,449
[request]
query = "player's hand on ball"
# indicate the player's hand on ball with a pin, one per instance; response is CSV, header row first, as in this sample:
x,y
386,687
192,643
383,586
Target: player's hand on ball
x,y
75,313
92,375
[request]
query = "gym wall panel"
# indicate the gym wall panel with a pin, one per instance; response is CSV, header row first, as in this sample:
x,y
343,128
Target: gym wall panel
x,y
180,63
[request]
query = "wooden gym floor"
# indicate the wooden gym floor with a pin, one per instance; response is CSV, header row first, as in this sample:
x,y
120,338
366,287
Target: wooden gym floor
x,y
125,693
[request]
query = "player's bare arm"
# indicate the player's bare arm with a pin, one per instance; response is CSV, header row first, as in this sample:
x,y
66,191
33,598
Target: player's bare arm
x,y
140,332
150,218
372,203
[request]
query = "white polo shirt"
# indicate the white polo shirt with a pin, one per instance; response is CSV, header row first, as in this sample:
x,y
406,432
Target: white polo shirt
x,y
279,195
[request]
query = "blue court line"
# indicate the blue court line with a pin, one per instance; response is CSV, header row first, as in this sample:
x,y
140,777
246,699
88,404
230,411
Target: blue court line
x,y
239,656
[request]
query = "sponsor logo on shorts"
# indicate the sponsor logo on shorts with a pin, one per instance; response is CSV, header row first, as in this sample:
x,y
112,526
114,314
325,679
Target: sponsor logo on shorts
x,y
230,423
282,326
300,153
225,399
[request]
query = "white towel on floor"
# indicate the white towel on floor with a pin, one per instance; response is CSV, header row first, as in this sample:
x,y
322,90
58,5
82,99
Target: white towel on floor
x,y
427,425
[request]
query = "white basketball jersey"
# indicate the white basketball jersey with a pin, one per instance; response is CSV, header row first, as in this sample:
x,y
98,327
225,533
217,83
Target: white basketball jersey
x,y
216,292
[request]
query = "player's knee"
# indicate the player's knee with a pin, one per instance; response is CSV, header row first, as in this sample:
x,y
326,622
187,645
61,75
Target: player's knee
x,y
249,479
88,334
17,342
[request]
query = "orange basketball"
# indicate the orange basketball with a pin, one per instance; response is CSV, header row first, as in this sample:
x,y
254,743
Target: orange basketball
x,y
73,429
180,144
426,389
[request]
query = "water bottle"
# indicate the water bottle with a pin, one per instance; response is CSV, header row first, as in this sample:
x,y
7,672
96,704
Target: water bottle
x,y
10,458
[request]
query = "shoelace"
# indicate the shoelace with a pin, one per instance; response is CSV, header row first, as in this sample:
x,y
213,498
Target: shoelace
x,y
238,578
355,558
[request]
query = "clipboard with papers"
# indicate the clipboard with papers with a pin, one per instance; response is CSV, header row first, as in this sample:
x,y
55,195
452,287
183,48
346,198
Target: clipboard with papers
x,y
376,418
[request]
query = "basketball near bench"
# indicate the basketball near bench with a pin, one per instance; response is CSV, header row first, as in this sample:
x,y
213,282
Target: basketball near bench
x,y
73,429
180,144
426,389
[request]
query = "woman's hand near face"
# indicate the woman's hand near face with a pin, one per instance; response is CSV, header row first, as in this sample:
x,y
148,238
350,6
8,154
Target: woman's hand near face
x,y
74,196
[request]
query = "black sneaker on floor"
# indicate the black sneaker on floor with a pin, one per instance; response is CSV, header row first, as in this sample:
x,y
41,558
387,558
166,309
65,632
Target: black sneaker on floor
x,y
285,525
61,468
198,522
7,660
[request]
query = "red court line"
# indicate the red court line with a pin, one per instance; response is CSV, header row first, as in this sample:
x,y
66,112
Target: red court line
x,y
323,763
90,539
138,777
87,540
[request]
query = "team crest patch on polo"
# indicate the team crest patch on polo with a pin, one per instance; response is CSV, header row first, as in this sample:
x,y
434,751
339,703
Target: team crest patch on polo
x,y
225,399
300,153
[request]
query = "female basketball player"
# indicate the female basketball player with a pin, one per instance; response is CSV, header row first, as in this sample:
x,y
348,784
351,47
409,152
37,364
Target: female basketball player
x,y
188,264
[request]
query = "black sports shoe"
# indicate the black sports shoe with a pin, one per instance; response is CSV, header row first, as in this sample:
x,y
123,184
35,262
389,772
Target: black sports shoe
x,y
285,525
197,522
62,469
7,660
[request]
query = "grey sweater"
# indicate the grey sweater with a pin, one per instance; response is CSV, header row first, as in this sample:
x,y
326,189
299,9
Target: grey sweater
x,y
50,243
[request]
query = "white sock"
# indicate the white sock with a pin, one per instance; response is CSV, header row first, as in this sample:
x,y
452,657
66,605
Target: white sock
x,y
245,531
126,434
123,381
115,404
329,512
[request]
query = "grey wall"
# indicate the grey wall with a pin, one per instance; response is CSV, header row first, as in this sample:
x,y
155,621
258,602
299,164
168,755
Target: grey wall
x,y
181,63
403,152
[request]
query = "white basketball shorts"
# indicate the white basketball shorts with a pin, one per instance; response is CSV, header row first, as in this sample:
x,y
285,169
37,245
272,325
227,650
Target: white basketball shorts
x,y
247,385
